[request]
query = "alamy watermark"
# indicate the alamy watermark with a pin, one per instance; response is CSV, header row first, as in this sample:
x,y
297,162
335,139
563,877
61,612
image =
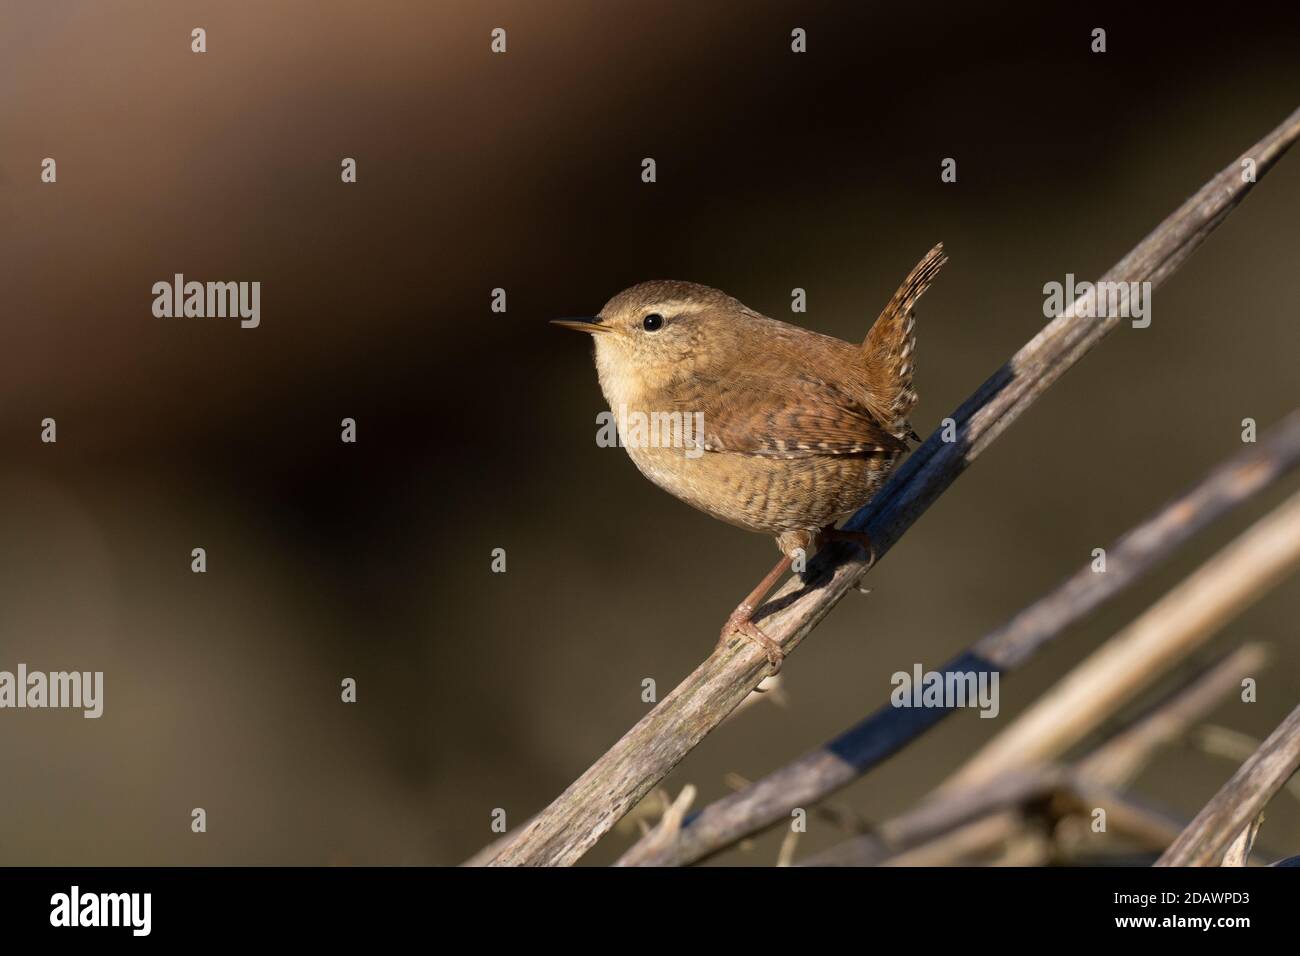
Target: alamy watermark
x,y
75,908
946,689
640,429
178,298
1096,300
77,690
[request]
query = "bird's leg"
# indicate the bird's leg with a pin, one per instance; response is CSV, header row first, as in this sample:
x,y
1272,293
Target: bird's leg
x,y
860,538
741,620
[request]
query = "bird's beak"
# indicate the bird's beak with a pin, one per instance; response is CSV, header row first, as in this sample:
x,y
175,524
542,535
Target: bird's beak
x,y
582,323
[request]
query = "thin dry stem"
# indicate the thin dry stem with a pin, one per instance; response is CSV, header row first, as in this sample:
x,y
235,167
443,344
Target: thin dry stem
x,y
1240,800
1166,633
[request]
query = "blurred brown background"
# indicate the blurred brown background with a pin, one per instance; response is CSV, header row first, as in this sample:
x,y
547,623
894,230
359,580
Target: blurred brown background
x,y
476,431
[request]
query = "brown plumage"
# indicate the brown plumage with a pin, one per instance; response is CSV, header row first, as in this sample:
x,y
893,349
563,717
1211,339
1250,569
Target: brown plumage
x,y
799,429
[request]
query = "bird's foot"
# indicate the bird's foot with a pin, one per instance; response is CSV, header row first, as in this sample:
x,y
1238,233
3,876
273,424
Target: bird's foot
x,y
741,622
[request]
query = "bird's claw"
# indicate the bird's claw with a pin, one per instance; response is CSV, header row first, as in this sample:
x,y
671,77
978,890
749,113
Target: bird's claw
x,y
740,623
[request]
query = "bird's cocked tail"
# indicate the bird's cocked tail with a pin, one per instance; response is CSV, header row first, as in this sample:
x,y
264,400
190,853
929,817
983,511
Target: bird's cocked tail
x,y
890,348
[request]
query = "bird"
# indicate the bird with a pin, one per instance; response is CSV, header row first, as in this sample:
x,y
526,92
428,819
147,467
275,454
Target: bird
x,y
775,428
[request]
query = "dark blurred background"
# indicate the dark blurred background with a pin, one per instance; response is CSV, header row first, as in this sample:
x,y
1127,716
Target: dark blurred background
x,y
476,430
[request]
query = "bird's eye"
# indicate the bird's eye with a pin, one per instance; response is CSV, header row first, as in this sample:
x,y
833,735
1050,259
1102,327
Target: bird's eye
x,y
653,322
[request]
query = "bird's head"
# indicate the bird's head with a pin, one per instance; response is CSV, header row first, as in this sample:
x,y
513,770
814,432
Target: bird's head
x,y
656,332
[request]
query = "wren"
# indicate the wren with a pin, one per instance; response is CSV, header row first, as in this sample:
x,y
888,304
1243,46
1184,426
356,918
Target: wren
x,y
799,429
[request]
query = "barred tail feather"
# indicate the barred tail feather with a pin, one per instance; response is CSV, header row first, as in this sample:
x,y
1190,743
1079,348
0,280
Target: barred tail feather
x,y
890,347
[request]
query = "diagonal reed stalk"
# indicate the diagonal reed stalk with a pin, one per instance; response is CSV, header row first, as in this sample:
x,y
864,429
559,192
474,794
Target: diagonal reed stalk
x,y
1166,633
